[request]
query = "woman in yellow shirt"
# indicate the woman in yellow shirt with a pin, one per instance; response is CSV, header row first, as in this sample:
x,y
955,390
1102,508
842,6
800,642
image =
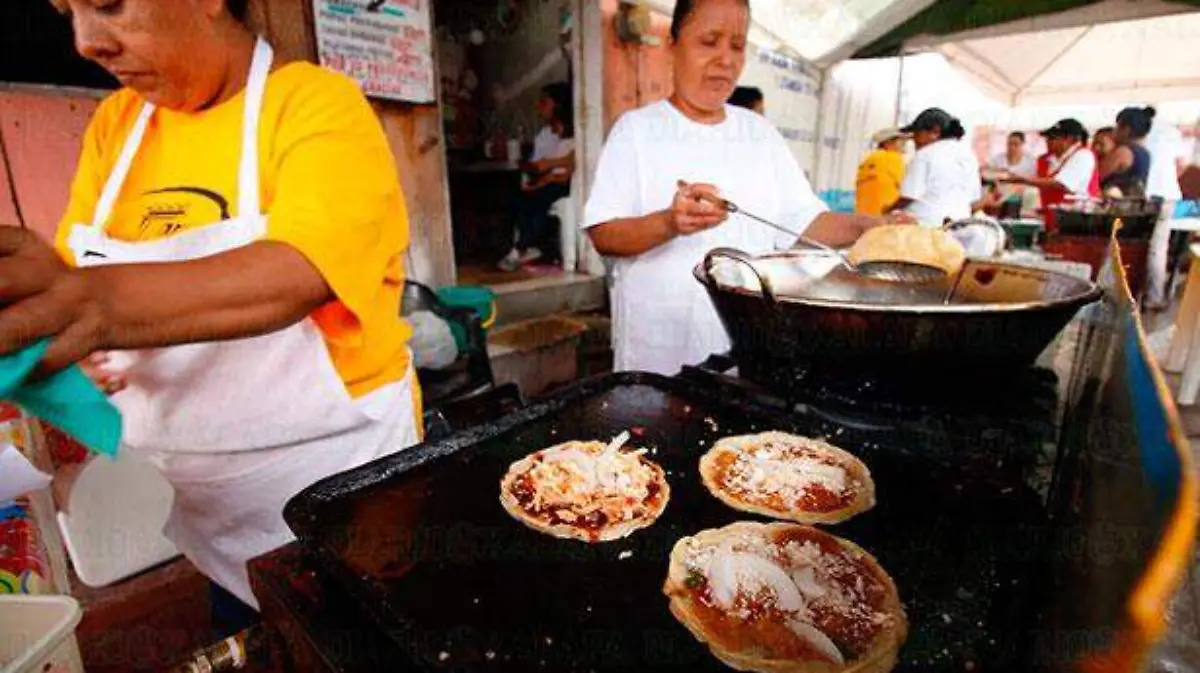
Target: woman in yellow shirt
x,y
235,238
880,174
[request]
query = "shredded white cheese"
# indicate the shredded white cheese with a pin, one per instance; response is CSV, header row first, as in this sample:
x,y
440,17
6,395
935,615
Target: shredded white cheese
x,y
580,478
776,468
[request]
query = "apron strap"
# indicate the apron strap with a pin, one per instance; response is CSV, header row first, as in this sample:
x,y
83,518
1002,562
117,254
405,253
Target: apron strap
x,y
256,87
116,180
248,184
1062,164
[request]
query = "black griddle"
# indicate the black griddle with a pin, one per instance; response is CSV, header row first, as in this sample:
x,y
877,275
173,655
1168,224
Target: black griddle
x,y
421,542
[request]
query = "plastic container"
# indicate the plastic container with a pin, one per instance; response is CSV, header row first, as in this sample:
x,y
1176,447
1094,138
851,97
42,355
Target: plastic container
x,y
116,513
37,634
478,299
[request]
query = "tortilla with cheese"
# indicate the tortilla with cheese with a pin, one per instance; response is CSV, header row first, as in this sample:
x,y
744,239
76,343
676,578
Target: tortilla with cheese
x,y
586,491
788,477
786,598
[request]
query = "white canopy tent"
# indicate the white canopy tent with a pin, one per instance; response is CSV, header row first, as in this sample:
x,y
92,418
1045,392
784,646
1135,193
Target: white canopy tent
x,y
821,32
1110,52
1086,63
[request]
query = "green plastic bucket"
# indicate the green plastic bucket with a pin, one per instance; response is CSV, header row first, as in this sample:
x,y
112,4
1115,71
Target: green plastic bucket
x,y
481,300
1023,234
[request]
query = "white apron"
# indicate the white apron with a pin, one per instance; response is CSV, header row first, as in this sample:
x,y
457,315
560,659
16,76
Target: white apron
x,y
238,427
662,317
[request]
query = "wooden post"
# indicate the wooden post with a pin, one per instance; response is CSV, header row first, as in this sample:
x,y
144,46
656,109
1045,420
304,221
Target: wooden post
x,y
413,131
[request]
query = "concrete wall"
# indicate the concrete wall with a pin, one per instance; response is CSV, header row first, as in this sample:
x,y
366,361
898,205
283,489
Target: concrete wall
x,y
634,75
41,128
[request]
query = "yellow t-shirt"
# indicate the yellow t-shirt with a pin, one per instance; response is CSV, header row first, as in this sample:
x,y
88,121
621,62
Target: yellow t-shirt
x,y
878,182
329,189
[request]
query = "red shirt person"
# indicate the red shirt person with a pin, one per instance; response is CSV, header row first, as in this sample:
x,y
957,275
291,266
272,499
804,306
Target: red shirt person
x,y
1068,169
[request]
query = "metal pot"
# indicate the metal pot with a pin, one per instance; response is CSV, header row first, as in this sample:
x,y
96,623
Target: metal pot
x,y
777,312
981,237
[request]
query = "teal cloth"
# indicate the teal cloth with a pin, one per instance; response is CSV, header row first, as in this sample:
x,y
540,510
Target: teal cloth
x,y
68,400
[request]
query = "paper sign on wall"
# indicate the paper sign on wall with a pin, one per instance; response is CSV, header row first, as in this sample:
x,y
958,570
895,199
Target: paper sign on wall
x,y
385,45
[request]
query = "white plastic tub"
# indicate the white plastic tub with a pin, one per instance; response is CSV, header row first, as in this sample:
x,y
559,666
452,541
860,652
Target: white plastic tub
x,y
37,634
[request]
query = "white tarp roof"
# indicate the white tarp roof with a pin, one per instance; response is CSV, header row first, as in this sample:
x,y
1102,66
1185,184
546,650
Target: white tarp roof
x,y
821,31
1116,51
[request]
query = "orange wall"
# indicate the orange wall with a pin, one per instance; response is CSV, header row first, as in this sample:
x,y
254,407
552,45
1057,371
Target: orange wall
x,y
43,130
634,75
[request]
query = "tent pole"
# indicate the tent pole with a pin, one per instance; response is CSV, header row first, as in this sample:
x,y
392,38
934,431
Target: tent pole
x,y
899,87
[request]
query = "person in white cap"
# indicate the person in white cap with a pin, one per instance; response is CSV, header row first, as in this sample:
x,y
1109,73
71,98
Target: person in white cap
x,y
880,174
943,181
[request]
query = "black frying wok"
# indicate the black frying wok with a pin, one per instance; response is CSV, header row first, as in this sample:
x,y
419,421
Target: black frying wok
x,y
776,313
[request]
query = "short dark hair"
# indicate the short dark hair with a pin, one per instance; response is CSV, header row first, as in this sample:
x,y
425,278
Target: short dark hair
x,y
947,125
564,105
683,12
238,8
1019,135
1067,128
746,96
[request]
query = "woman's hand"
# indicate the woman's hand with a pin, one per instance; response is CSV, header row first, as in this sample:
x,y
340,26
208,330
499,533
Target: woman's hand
x,y
895,217
693,209
247,292
42,298
95,366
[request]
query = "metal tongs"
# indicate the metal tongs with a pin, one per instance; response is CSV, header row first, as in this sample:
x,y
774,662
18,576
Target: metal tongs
x,y
891,271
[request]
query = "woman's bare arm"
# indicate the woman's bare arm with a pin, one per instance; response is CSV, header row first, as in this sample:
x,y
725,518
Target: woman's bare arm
x,y
247,292
1116,161
632,236
839,229
691,210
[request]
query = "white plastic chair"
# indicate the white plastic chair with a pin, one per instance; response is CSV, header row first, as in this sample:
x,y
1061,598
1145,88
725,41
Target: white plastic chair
x,y
568,230
1184,356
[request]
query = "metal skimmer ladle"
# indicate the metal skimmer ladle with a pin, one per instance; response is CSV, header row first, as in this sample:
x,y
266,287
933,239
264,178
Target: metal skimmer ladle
x,y
888,271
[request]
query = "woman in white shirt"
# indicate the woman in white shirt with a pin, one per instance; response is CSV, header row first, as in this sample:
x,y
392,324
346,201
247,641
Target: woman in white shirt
x,y
1015,158
657,231
942,182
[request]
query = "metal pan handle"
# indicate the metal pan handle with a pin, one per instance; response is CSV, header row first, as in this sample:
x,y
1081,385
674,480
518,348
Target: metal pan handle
x,y
742,258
